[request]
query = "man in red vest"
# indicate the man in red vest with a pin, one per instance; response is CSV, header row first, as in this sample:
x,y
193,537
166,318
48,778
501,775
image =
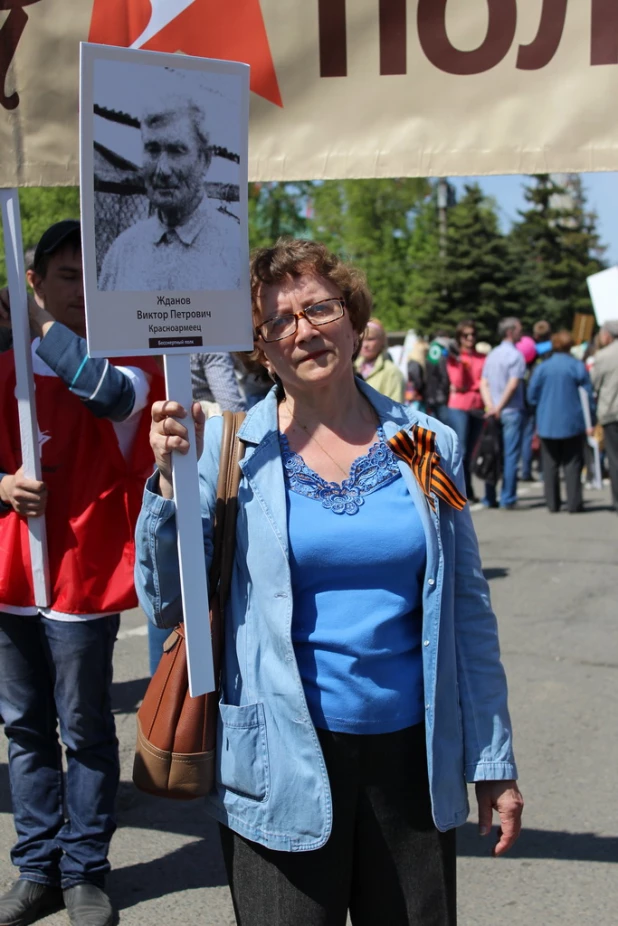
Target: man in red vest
x,y
56,662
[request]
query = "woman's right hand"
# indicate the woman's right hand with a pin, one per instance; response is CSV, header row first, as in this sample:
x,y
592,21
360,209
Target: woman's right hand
x,y
167,434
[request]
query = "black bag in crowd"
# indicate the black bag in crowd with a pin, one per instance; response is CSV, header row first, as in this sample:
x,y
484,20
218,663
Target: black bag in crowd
x,y
487,457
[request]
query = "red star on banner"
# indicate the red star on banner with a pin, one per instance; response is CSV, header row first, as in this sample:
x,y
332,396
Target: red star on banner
x,y
233,30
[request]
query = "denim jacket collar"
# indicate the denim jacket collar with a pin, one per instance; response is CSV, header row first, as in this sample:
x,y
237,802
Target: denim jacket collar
x,y
261,421
263,469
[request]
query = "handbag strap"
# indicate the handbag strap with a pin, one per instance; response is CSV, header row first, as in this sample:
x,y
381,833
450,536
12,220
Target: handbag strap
x,y
226,506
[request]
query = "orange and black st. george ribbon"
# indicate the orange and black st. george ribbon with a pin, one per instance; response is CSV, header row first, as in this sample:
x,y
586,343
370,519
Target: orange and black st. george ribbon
x,y
418,450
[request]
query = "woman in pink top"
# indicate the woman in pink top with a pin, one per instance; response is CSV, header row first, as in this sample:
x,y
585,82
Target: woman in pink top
x,y
465,405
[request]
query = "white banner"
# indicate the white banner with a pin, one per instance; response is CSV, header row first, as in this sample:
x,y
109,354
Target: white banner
x,y
370,88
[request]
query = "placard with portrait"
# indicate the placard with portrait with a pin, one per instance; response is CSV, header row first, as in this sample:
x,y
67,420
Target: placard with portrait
x,y
163,143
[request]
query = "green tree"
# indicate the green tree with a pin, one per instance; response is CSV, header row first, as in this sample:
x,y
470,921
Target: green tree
x,y
554,246
276,209
471,278
426,285
40,207
478,270
369,222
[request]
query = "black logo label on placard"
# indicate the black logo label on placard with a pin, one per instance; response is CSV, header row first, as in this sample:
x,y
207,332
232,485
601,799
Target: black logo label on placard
x,y
174,342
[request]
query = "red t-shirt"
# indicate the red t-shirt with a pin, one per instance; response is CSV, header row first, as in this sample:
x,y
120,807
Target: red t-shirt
x,y
465,374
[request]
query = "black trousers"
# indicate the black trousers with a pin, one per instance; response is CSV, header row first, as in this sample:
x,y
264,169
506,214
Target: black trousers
x,y
569,454
610,438
385,861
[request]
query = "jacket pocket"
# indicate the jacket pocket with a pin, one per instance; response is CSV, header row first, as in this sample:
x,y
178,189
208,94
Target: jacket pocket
x,y
243,750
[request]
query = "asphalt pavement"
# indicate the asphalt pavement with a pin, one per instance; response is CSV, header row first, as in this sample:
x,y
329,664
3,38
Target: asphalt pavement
x,y
553,579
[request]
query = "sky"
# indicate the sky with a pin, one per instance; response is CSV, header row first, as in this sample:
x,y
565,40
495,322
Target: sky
x,y
601,191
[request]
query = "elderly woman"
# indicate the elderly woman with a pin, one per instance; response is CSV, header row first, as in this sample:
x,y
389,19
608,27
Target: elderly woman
x,y
375,366
362,684
554,390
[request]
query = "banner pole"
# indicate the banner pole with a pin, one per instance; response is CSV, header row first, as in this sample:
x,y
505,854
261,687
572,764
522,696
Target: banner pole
x,y
193,582
24,391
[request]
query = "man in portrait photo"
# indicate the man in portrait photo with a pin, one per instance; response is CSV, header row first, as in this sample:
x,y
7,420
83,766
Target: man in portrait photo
x,y
186,243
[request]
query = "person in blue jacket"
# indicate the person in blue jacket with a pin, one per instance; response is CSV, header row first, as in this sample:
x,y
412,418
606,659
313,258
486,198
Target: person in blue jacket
x,y
362,685
554,389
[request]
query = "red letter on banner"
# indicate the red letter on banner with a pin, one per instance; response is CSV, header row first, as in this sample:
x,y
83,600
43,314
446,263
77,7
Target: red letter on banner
x,y
393,37
604,45
539,53
10,34
431,20
333,47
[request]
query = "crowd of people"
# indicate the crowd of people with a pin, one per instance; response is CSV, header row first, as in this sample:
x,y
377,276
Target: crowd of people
x,y
362,685
533,399
360,642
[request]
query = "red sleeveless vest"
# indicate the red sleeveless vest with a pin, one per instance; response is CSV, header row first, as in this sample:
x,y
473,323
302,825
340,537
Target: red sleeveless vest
x,y
93,502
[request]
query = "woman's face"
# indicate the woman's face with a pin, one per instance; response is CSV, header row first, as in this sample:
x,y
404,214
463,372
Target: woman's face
x,y
313,355
467,339
373,343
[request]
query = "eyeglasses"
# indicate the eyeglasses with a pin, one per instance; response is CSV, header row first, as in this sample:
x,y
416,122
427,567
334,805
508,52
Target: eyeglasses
x,y
468,334
284,326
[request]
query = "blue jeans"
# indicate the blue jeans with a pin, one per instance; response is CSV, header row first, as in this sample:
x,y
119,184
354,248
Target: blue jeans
x,y
441,412
468,429
529,428
156,638
512,433
54,671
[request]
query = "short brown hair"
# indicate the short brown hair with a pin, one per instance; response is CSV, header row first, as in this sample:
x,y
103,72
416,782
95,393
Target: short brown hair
x,y
294,257
562,342
541,331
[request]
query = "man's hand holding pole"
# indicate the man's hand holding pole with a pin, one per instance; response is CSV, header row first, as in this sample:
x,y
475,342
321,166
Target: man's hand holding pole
x,y
27,497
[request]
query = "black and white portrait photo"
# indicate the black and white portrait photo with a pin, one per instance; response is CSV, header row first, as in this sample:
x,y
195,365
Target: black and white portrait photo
x,y
166,179
164,144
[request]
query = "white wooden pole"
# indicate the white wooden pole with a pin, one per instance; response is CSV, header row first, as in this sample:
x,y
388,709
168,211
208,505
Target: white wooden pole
x,y
28,427
193,581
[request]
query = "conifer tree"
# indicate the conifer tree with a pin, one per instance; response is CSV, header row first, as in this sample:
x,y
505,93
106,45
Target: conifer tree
x,y
554,246
470,280
276,209
369,222
478,272
426,284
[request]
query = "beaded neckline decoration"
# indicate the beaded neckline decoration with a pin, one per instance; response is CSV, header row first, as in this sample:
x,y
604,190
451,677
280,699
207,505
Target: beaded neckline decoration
x,y
370,472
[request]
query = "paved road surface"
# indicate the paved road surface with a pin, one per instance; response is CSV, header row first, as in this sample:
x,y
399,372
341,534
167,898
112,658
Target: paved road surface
x,y
554,580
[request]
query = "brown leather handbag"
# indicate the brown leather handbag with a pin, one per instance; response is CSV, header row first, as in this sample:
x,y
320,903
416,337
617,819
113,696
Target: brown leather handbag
x,y
176,734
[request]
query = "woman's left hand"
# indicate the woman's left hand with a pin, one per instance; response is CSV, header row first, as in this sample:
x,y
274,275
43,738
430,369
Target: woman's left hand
x,y
506,798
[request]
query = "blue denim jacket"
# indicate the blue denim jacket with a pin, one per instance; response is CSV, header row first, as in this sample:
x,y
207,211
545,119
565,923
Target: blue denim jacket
x,y
272,785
